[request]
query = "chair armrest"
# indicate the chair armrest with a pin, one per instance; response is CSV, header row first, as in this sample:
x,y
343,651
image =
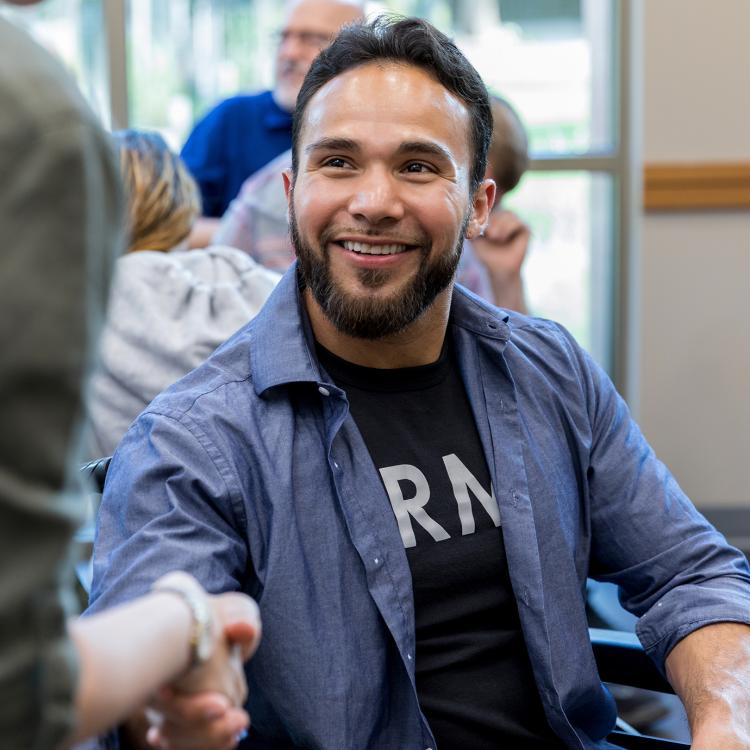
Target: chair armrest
x,y
96,472
621,659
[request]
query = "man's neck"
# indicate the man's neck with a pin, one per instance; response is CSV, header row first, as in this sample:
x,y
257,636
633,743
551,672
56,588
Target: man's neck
x,y
418,344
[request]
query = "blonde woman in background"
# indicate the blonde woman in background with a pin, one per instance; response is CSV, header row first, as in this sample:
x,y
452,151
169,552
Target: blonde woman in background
x,y
169,307
163,201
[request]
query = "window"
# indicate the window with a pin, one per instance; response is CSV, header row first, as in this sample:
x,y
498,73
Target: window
x,y
72,29
186,55
557,61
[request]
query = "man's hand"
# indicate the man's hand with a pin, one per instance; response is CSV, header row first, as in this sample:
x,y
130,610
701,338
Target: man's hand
x,y
200,721
203,709
710,671
502,249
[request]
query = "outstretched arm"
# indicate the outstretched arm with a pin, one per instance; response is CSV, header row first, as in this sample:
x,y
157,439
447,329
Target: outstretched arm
x,y
710,671
128,652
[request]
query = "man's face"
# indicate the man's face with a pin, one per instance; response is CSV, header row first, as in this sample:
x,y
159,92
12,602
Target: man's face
x,y
309,27
381,199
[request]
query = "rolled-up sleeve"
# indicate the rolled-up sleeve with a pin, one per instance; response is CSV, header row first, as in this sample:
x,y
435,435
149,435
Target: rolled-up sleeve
x,y
674,569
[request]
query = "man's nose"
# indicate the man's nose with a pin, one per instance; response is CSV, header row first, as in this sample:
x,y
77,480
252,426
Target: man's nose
x,y
376,198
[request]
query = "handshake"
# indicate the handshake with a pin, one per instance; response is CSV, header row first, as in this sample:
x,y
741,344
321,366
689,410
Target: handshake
x,y
203,707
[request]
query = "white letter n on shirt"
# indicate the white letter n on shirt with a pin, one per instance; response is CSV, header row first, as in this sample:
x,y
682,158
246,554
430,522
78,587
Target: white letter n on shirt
x,y
414,506
463,481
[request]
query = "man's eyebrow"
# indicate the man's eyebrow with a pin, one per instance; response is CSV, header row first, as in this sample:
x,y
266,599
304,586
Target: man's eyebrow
x,y
332,144
425,148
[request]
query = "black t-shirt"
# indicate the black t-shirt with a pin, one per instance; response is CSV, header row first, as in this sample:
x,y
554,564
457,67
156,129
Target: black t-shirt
x,y
474,679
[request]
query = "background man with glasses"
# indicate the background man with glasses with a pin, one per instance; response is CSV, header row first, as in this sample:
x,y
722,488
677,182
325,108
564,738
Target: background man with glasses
x,y
243,133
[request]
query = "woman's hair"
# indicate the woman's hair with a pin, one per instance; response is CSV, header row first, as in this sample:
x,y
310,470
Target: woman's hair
x,y
162,198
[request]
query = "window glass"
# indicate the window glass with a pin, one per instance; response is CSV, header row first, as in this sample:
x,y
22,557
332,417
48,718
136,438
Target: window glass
x,y
568,270
73,30
186,55
553,59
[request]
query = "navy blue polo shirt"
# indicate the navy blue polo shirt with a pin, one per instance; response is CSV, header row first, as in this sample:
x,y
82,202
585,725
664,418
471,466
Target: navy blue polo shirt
x,y
234,140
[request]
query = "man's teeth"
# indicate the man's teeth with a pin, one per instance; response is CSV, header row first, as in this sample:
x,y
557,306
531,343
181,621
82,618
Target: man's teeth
x,y
365,249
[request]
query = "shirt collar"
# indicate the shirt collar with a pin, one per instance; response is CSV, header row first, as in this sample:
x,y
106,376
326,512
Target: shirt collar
x,y
281,341
282,347
475,314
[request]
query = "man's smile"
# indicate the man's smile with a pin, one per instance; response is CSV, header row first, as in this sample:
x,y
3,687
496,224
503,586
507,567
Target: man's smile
x,y
367,248
374,252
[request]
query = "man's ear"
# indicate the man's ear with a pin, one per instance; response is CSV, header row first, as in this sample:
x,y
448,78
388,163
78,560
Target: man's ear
x,y
482,202
286,176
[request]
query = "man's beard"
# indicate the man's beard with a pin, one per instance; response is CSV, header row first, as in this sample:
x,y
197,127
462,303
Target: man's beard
x,y
373,317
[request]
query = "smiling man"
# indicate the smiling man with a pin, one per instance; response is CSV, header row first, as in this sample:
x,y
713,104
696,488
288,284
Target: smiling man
x,y
387,196
413,484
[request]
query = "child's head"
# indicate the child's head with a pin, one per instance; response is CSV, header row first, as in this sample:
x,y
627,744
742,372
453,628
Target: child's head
x,y
508,156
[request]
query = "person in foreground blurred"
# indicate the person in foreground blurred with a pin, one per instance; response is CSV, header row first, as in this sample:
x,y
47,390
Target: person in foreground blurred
x,y
169,307
243,133
60,216
415,483
490,266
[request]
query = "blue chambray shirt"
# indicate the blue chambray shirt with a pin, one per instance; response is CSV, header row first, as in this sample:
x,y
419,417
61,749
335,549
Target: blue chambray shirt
x,y
250,474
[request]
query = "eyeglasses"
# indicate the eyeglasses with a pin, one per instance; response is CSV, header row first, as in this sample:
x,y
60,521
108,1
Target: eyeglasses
x,y
312,39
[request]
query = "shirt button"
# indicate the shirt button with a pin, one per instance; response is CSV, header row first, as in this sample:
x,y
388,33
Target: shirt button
x,y
335,465
323,391
408,656
377,561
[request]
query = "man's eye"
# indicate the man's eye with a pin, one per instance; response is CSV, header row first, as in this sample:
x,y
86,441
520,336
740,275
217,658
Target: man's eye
x,y
417,167
336,162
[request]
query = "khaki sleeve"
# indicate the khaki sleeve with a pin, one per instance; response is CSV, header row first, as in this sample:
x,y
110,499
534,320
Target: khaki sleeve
x,y
60,219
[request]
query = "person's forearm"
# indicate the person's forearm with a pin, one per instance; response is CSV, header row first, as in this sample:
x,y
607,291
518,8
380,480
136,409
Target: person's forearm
x,y
710,671
125,654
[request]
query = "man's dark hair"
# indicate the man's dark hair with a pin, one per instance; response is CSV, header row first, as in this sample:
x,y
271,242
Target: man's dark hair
x,y
408,41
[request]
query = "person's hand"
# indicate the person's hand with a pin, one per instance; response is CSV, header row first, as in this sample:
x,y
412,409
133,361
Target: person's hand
x,y
237,630
203,709
199,721
504,242
502,249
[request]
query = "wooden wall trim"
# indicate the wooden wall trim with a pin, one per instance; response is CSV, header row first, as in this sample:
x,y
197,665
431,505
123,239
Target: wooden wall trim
x,y
691,187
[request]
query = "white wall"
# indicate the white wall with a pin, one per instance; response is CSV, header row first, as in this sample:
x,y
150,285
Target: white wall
x,y
694,269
